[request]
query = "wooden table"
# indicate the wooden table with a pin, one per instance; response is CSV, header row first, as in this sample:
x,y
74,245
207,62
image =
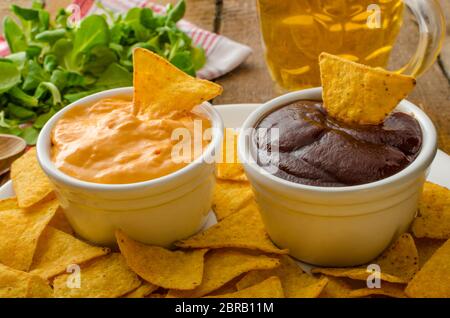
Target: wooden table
x,y
251,83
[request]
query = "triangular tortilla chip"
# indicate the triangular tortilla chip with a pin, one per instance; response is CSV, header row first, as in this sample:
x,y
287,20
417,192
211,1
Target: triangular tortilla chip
x,y
426,248
433,220
20,230
356,93
387,289
230,168
30,183
230,197
228,288
9,203
161,267
336,288
105,277
243,229
221,266
61,223
142,291
398,264
56,250
433,280
156,295
18,284
270,288
230,171
161,89
296,283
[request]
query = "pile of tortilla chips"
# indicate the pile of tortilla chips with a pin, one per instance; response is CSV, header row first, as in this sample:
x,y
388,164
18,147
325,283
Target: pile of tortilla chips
x,y
41,257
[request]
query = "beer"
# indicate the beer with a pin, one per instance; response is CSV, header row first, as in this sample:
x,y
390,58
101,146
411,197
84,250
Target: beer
x,y
295,32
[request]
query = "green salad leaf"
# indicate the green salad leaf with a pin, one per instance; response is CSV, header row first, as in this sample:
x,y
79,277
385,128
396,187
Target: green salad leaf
x,y
53,63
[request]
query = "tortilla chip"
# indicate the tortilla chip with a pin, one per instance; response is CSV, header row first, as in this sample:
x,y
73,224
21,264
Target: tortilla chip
x,y
56,250
426,248
243,229
387,289
399,263
30,183
230,197
433,280
221,266
142,291
336,288
270,288
156,295
230,168
18,284
433,220
228,288
60,222
106,277
161,267
162,90
20,230
9,203
356,93
230,171
296,283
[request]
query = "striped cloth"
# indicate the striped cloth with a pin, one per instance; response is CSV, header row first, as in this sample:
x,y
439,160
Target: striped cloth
x,y
223,54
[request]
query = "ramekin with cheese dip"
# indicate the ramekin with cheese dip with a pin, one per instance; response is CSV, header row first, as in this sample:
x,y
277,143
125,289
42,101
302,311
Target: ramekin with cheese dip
x,y
151,199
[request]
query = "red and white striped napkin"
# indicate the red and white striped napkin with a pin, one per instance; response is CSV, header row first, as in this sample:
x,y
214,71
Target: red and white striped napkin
x,y
223,54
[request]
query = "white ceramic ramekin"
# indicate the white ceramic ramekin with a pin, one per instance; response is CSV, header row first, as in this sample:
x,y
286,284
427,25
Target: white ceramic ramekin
x,y
156,212
337,226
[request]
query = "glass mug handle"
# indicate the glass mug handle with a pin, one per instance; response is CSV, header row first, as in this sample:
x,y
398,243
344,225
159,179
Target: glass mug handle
x,y
431,22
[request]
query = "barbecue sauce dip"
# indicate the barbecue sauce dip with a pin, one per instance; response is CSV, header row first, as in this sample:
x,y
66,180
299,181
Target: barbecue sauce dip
x,y
314,149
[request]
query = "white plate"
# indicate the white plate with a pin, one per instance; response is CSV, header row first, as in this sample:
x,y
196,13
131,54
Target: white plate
x,y
235,115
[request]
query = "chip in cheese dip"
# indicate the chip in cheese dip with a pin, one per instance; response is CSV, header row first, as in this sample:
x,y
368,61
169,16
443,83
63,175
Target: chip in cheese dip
x,y
107,143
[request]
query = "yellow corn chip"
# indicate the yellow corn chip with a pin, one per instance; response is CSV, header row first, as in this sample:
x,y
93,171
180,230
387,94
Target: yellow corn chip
x,y
296,283
387,289
336,288
156,295
106,277
30,183
426,248
9,203
356,93
142,291
433,220
161,89
56,250
230,197
433,280
221,266
18,284
60,222
161,267
20,230
228,288
230,171
398,264
270,288
230,168
243,229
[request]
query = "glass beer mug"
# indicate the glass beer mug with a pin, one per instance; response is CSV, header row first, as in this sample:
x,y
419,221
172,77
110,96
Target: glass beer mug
x,y
295,32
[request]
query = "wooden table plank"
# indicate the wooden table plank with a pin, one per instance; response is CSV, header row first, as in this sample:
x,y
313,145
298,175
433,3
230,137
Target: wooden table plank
x,y
251,82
